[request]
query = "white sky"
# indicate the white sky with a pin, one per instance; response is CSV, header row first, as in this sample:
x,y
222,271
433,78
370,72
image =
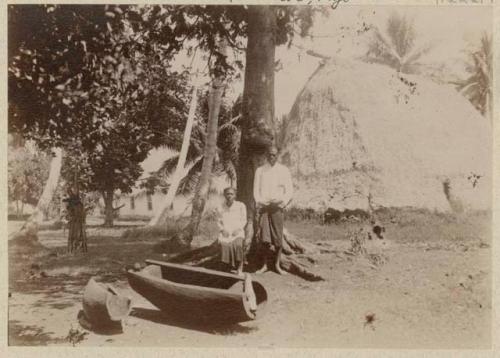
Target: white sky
x,y
450,29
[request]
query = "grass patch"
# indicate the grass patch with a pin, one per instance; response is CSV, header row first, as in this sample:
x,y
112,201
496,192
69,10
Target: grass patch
x,y
18,217
56,225
22,335
110,250
406,225
127,218
208,229
165,231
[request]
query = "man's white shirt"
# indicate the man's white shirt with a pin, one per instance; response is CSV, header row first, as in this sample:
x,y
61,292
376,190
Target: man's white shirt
x,y
272,183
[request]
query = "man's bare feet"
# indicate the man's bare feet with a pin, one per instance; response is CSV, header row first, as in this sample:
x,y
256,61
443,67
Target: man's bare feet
x,y
250,294
239,271
277,263
279,270
262,270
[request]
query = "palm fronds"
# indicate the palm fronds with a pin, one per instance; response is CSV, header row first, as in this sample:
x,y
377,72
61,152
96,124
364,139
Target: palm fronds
x,y
478,86
401,32
380,50
168,166
225,167
228,141
191,176
396,47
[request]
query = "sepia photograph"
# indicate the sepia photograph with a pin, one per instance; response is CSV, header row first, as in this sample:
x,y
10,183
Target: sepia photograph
x,y
287,175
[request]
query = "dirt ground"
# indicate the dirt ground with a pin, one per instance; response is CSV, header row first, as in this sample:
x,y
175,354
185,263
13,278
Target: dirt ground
x,y
433,291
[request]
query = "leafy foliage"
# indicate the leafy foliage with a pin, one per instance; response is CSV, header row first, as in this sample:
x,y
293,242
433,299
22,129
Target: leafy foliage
x,y
398,49
174,26
227,149
97,81
81,78
27,171
478,86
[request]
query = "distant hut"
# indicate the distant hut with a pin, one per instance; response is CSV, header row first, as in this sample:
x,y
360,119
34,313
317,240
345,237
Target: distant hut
x,y
361,130
142,204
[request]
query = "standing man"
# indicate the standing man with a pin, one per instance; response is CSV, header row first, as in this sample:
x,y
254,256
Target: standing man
x,y
272,192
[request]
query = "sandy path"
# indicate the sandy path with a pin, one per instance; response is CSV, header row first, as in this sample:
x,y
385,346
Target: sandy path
x,y
424,296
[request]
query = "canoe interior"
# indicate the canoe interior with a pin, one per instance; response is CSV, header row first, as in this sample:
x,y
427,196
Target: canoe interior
x,y
189,277
118,306
103,305
203,278
179,288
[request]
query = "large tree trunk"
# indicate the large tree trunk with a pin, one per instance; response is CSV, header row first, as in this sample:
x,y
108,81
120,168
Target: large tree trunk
x,y
77,237
109,211
258,131
256,137
201,193
162,213
258,100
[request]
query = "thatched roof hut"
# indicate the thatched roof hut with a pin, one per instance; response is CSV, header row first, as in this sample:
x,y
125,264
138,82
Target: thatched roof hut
x,y
359,130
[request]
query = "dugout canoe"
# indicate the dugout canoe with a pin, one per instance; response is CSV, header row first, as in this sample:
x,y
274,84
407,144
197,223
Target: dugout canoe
x,y
197,293
103,306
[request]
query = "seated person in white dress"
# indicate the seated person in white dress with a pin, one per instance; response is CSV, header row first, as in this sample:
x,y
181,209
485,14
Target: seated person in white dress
x,y
232,219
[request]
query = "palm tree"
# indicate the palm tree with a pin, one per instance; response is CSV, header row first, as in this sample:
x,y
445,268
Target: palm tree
x,y
181,158
478,86
210,148
226,157
397,47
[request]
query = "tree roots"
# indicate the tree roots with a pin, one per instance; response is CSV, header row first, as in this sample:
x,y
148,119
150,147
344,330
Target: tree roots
x,y
297,258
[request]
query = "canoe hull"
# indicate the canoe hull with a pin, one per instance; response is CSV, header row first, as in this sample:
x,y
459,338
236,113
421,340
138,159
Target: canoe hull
x,y
216,296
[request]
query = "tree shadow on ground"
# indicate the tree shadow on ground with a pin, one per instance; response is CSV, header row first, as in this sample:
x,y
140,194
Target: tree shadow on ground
x,y
53,286
54,265
53,303
191,323
21,335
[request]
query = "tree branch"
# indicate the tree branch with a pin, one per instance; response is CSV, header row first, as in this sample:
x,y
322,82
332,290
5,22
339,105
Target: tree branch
x,y
119,207
313,53
231,42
